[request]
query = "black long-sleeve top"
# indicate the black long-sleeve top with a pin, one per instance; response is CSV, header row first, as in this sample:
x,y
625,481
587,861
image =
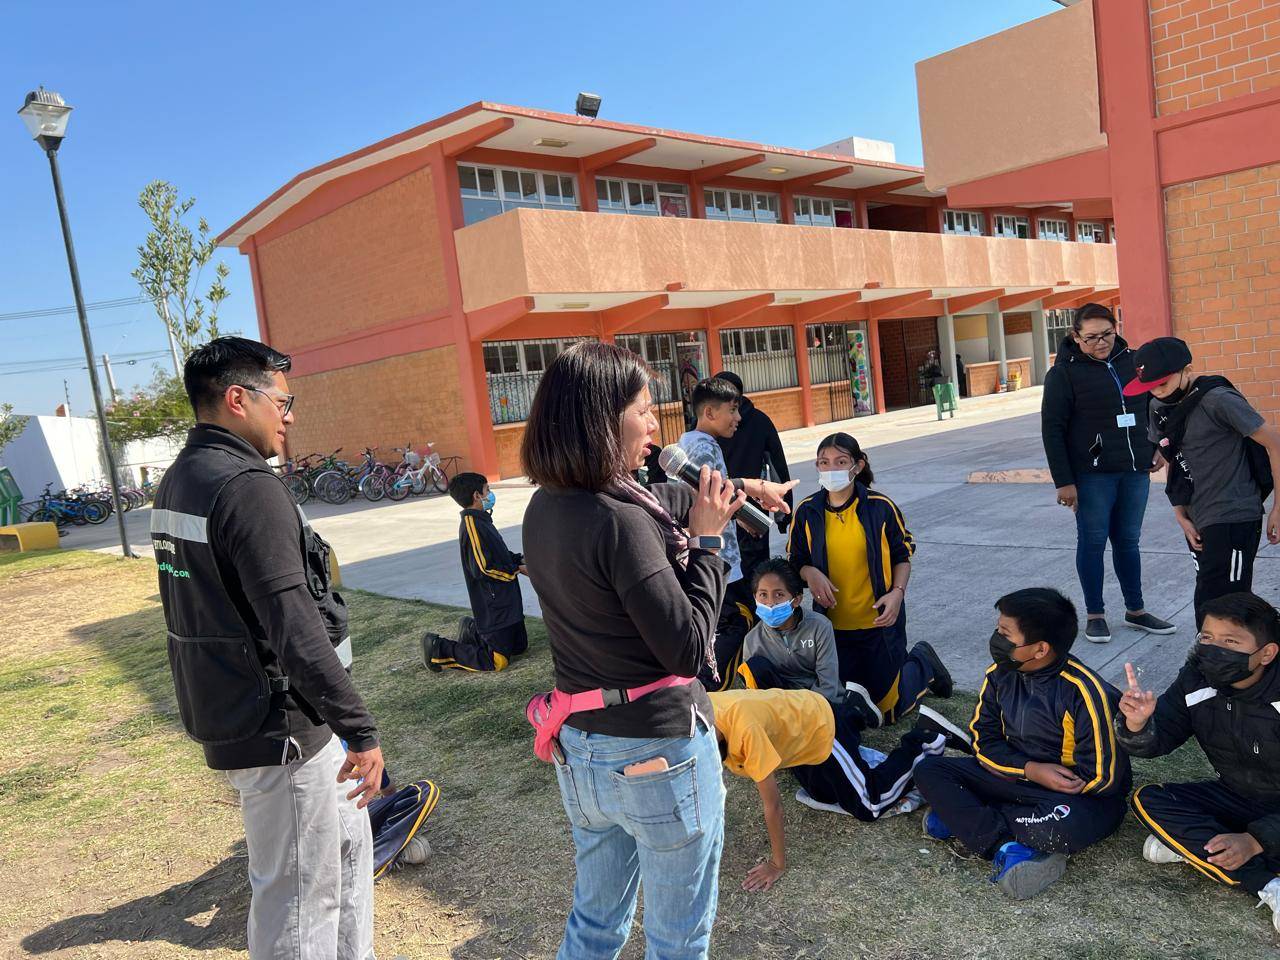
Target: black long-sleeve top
x,y
620,611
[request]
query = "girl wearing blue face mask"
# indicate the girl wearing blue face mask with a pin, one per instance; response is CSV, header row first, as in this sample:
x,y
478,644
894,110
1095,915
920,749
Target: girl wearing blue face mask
x,y
790,648
852,548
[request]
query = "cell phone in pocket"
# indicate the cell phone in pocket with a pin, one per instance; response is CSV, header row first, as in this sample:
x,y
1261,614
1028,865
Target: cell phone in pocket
x,y
653,765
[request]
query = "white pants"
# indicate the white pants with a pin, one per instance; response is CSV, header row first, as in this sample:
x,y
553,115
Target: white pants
x,y
310,861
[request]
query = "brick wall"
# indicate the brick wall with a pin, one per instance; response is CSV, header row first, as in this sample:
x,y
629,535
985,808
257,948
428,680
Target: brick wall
x,y
784,407
1016,323
371,261
410,398
824,410
984,378
1206,51
1224,272
903,345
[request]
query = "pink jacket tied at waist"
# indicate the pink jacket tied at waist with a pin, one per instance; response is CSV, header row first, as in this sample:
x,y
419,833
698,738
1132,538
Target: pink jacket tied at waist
x,y
549,711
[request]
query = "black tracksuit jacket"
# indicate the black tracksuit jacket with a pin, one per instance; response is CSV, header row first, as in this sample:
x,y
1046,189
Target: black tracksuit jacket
x,y
1082,399
491,572
1239,732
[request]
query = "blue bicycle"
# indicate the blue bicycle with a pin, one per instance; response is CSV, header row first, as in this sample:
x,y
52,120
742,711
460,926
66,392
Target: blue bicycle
x,y
62,509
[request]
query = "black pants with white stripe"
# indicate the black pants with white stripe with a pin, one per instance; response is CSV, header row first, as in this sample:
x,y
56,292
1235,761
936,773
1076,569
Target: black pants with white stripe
x,y
1186,816
1225,565
736,620
985,810
864,791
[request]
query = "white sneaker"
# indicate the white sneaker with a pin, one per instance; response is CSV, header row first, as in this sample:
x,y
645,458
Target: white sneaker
x,y
416,851
802,796
1153,851
1270,896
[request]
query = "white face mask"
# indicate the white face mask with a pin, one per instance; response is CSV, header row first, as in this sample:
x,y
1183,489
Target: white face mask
x,y
834,480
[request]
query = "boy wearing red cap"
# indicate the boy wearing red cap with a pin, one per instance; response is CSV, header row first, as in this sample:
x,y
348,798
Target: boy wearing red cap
x,y
1222,456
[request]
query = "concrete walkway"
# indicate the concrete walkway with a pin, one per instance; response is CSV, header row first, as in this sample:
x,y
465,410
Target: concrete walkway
x,y
975,541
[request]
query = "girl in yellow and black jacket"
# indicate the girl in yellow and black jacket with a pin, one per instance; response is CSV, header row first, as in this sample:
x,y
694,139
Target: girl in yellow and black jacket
x,y
853,550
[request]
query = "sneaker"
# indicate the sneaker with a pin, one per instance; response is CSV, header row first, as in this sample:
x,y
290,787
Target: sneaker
x,y
941,685
859,699
466,629
1269,896
1149,623
1097,631
802,796
416,851
934,828
431,651
1153,851
1022,873
932,721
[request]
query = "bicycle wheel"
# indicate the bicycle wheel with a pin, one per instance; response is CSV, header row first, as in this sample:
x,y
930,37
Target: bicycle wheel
x,y
44,515
94,511
398,485
419,484
333,487
373,488
439,480
298,489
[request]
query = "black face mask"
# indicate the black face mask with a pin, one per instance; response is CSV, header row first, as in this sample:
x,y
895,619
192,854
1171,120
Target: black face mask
x,y
1176,397
1221,667
1002,652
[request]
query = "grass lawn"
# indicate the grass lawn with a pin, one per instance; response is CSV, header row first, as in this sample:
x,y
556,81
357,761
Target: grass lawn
x,y
118,842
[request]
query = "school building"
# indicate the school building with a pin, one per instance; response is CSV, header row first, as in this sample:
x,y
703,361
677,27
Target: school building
x,y
1161,114
423,283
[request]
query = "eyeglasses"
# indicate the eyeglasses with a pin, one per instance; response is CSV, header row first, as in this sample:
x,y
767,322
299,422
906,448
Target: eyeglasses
x,y
1097,338
274,398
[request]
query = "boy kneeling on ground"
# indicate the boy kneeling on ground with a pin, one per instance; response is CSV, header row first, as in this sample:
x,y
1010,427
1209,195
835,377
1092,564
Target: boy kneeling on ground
x,y
1228,698
1047,778
762,731
494,633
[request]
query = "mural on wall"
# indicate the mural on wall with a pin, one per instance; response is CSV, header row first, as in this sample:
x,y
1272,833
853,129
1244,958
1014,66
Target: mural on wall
x,y
860,370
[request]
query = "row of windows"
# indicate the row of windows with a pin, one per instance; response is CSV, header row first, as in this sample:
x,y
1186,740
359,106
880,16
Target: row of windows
x,y
969,223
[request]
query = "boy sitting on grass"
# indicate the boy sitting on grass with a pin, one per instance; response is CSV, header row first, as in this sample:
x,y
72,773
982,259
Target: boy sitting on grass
x,y
1228,698
762,731
1047,778
494,633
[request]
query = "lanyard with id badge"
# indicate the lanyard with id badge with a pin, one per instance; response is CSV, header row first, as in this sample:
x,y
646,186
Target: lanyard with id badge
x,y
1125,419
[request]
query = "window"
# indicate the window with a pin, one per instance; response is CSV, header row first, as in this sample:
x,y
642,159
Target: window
x,y
1057,326
1053,230
828,345
513,370
963,222
642,198
488,191
1017,228
820,212
764,357
742,205
1113,233
1090,232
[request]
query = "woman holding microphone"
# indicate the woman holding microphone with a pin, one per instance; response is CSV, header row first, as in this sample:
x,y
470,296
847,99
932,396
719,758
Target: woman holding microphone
x,y
630,586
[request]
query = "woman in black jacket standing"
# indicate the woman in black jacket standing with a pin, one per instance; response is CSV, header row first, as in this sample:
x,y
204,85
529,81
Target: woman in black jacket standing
x,y
1096,442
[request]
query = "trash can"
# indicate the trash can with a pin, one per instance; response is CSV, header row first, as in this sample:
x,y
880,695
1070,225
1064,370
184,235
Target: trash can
x,y
944,396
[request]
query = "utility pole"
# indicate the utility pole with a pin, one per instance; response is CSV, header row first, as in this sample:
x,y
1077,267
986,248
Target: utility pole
x,y
173,344
66,392
111,380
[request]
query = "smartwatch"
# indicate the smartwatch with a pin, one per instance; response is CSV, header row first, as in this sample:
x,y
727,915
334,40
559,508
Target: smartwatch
x,y
706,543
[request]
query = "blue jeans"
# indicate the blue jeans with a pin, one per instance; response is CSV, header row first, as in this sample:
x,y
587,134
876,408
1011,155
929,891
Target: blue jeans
x,y
664,830
1110,507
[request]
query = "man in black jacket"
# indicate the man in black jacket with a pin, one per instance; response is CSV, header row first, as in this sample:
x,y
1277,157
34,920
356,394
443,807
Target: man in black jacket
x,y
1228,698
1096,442
754,448
257,646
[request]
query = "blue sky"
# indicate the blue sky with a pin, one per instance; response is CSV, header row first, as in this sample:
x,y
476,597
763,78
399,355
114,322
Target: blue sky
x,y
228,101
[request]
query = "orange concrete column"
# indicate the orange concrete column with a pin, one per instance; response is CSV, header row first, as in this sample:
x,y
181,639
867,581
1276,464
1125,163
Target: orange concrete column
x,y
715,359
788,211
803,373
861,218
877,366
471,380
1137,197
697,202
587,190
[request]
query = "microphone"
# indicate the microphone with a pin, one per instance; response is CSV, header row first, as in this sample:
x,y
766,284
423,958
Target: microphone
x,y
676,463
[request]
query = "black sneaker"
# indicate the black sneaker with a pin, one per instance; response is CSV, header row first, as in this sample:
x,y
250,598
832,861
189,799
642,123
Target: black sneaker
x,y
1097,631
431,651
858,699
1149,623
466,629
933,722
941,685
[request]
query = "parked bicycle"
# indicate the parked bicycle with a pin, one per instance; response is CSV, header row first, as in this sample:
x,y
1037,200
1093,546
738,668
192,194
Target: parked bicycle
x,y
416,472
63,509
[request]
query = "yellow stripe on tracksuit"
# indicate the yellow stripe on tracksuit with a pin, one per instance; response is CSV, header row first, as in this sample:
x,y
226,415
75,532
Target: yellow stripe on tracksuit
x,y
1102,726
973,729
1204,866
479,554
902,527
1068,740
791,530
433,797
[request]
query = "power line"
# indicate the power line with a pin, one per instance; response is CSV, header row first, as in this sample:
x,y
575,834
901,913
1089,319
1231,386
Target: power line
x,y
79,365
123,356
70,311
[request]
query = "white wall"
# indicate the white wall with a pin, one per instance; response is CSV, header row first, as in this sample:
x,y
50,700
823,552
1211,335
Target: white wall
x,y
973,351
1017,345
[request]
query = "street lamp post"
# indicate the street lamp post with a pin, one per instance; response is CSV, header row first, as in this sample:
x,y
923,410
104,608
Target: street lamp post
x,y
46,114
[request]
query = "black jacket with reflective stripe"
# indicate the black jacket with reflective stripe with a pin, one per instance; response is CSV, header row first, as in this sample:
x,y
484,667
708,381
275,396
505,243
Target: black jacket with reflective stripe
x,y
233,696
491,572
1239,733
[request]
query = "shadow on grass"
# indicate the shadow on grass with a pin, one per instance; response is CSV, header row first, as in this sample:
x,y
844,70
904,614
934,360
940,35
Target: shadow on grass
x,y
207,913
